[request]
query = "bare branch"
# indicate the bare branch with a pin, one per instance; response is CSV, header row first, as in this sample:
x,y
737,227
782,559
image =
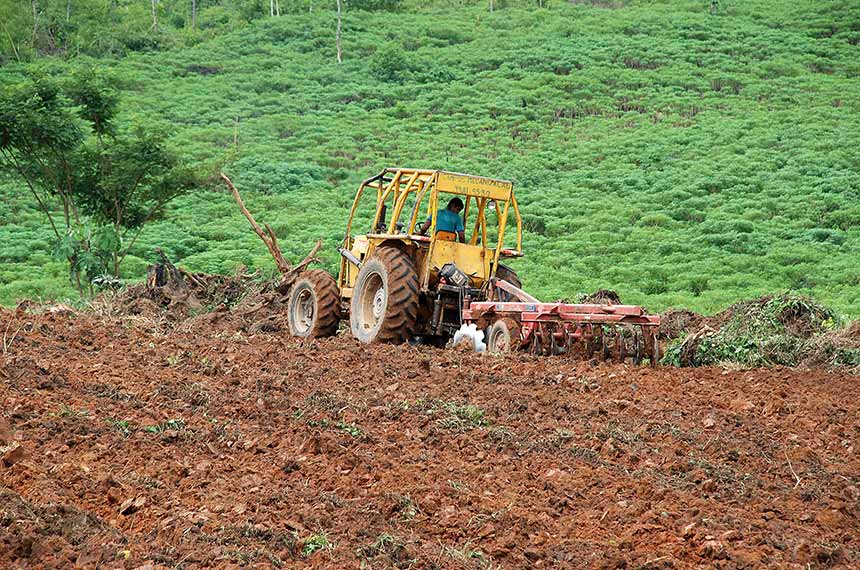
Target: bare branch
x,y
268,238
290,277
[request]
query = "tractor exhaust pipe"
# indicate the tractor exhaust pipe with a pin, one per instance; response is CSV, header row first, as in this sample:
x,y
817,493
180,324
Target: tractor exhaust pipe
x,y
350,257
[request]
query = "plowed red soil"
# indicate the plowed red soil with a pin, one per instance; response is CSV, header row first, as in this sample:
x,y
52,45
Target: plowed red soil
x,y
215,449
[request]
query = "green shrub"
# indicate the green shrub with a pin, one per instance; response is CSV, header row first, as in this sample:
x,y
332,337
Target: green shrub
x,y
389,64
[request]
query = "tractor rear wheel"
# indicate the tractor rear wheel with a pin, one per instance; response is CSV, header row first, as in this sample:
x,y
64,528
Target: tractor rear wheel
x,y
313,307
503,336
384,303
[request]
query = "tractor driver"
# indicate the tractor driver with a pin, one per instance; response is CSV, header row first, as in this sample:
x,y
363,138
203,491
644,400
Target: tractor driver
x,y
448,220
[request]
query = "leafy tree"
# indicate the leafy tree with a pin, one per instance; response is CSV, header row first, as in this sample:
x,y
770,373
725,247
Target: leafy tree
x,y
96,183
124,182
39,133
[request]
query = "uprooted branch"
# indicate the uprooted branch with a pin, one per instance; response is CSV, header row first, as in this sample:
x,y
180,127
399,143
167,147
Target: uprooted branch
x,y
291,275
267,236
288,272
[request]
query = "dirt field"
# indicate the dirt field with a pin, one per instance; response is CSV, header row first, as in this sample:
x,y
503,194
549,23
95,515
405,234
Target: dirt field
x,y
215,449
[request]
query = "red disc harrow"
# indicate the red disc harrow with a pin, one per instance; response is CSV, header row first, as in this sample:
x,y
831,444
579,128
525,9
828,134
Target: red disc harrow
x,y
620,333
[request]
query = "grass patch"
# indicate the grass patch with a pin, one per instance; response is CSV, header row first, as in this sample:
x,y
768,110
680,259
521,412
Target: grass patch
x,y
463,417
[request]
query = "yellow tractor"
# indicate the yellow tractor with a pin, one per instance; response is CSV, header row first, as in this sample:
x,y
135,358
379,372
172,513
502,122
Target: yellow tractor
x,y
397,282
410,277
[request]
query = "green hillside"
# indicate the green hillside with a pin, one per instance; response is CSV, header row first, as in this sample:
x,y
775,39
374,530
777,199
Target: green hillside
x,y
680,157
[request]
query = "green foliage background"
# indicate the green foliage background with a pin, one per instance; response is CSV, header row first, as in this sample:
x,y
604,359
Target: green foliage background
x,y
680,157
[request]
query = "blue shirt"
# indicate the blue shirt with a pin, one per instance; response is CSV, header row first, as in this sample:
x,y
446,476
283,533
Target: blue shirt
x,y
448,221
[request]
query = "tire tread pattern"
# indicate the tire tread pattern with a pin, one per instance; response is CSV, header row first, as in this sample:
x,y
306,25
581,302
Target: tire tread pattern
x,y
514,332
327,298
403,292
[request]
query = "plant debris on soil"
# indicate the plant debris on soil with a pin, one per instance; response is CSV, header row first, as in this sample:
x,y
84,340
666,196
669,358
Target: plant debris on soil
x,y
171,298
602,297
124,445
788,330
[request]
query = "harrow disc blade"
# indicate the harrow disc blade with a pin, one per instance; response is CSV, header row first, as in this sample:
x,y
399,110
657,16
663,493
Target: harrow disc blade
x,y
622,343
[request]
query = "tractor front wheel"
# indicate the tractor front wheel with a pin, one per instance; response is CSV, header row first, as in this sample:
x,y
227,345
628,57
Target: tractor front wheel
x,y
313,307
384,302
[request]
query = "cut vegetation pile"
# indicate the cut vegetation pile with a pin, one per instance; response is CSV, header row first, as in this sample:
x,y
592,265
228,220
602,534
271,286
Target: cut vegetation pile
x,y
787,330
173,297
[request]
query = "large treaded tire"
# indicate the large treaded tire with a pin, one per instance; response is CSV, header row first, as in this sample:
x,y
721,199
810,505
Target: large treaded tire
x,y
313,309
384,303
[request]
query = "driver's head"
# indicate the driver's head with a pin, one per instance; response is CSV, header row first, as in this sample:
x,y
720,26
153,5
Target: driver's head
x,y
455,205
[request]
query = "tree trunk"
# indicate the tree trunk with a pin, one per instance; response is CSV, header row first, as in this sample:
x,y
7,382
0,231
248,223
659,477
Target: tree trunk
x,y
337,37
12,42
78,283
68,10
35,22
194,14
155,16
277,8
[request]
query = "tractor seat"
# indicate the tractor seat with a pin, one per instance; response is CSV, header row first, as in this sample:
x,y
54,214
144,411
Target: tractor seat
x,y
446,236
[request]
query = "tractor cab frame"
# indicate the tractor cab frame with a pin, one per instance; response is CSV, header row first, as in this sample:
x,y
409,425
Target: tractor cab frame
x,y
489,205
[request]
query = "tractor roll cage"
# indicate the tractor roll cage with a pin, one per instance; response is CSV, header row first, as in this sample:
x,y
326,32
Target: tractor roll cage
x,y
401,182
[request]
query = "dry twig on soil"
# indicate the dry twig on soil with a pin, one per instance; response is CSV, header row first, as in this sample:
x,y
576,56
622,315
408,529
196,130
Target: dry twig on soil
x,y
796,478
7,341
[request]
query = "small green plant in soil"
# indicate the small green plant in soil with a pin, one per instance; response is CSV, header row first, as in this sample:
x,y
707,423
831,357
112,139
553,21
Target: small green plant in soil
x,y
123,426
463,417
406,507
315,543
351,429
